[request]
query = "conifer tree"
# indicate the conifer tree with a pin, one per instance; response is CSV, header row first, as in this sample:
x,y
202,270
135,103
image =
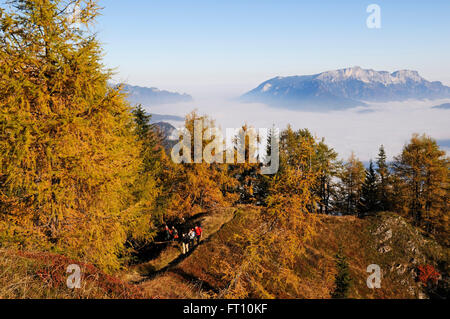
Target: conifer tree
x,y
422,185
369,193
68,152
328,166
148,186
343,279
192,188
264,180
142,119
282,228
352,178
384,187
246,171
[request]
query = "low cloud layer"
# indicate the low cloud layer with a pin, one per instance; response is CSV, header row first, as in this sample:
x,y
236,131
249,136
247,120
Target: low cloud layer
x,y
361,130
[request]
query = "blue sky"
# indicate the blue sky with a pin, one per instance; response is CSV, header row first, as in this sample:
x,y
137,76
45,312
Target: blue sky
x,y
218,50
234,45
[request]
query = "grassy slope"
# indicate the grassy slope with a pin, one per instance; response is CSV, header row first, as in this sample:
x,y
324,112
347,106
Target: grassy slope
x,y
386,240
43,276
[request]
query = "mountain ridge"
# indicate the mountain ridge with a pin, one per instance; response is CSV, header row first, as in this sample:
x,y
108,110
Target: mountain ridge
x,y
345,88
153,96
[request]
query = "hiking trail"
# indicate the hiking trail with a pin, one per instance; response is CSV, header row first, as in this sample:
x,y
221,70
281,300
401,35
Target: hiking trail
x,y
160,274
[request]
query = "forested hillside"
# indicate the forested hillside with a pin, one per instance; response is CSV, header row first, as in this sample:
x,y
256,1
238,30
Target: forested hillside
x,y
86,178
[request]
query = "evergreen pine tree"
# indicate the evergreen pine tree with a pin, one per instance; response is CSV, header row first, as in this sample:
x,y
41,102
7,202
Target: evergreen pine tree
x,y
384,191
142,119
148,186
369,193
342,279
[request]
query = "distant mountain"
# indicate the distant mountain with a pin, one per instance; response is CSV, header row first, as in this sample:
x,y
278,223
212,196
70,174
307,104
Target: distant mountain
x,y
153,96
165,128
445,106
345,88
444,143
162,117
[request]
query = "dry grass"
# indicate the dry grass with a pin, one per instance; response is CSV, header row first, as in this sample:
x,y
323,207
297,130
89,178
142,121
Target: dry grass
x,y
317,269
173,286
38,275
43,276
211,223
174,283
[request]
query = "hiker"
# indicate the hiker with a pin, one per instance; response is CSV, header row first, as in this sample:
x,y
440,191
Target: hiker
x,y
185,244
174,234
192,238
167,232
198,233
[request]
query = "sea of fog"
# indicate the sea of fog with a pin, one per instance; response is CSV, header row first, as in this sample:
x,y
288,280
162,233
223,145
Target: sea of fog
x,y
361,129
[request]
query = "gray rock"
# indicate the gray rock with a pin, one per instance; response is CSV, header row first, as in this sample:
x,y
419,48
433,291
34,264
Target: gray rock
x,y
384,249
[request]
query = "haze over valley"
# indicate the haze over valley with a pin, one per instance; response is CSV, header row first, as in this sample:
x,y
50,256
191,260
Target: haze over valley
x,y
383,108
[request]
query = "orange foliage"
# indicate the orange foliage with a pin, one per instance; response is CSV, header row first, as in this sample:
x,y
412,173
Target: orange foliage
x,y
427,274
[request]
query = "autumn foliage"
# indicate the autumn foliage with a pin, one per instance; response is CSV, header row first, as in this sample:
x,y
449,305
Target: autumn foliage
x,y
84,174
275,238
428,274
192,188
68,154
47,273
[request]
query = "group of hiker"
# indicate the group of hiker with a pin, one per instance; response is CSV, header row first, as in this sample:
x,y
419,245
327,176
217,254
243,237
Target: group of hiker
x,y
187,239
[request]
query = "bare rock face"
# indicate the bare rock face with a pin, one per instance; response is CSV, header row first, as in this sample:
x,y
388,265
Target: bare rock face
x,y
384,249
387,235
400,269
403,248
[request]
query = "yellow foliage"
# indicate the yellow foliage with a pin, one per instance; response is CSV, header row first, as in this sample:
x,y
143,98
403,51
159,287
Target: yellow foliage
x,y
272,247
68,154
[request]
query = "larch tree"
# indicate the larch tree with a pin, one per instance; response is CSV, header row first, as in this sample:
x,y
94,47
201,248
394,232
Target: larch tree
x,y
68,151
352,177
422,185
276,241
197,184
246,166
328,166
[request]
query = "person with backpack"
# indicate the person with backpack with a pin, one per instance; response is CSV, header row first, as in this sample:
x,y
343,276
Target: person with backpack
x,y
185,244
192,238
175,236
198,234
167,233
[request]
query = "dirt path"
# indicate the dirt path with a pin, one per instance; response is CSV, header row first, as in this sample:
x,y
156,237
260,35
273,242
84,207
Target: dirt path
x,y
159,277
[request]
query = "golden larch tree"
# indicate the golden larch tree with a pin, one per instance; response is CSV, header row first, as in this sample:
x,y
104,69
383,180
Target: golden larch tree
x,y
68,153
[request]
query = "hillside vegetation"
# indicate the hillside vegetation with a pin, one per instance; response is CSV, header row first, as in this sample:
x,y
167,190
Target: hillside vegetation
x,y
32,275
386,240
87,179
